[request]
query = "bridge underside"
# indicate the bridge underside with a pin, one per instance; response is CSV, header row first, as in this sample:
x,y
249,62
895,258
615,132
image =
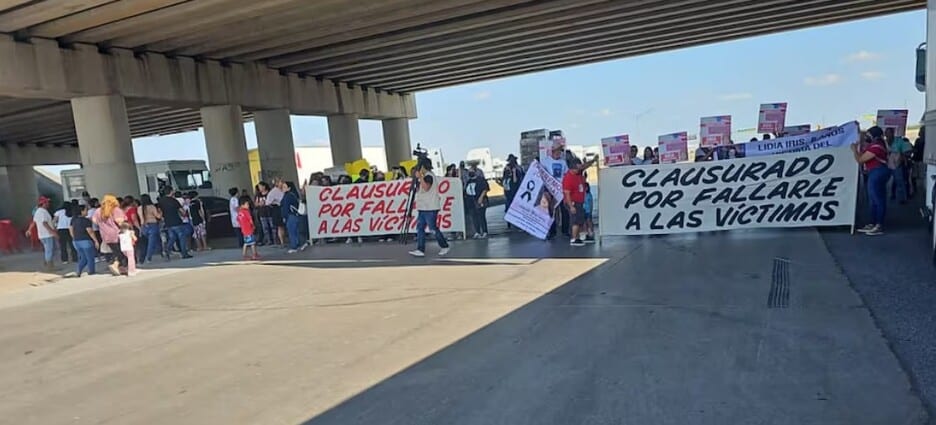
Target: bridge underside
x,y
385,46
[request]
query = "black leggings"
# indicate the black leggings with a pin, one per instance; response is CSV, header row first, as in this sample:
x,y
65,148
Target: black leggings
x,y
116,254
66,246
480,219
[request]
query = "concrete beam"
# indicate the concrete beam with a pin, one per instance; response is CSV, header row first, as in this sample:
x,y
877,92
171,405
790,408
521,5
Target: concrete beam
x,y
90,18
31,155
104,141
42,69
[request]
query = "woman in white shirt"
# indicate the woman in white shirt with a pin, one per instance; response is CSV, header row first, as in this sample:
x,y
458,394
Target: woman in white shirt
x,y
62,221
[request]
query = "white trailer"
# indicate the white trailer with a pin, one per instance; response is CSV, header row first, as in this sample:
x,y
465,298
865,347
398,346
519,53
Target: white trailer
x,y
186,175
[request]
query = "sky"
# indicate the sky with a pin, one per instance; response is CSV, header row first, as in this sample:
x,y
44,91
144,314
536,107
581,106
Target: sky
x,y
829,75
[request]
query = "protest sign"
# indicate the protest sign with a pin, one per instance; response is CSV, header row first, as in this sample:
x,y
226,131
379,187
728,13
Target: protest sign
x,y
616,150
531,145
893,118
813,188
797,130
674,147
772,118
377,208
538,195
829,137
715,131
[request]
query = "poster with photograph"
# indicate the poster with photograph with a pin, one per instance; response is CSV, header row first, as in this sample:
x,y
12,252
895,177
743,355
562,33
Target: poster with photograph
x,y
616,150
772,118
674,147
893,118
715,131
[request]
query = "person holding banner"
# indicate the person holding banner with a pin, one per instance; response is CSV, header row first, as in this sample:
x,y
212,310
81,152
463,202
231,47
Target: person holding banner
x,y
874,160
428,202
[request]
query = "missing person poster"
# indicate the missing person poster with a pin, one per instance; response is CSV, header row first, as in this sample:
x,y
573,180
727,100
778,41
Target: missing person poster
x,y
796,130
772,118
616,150
715,131
812,188
674,147
378,208
893,118
538,195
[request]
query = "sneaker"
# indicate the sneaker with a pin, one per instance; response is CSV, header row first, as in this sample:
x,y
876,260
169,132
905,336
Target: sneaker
x,y
71,275
484,236
349,241
443,252
304,246
589,239
114,270
476,236
291,251
866,229
875,231
360,240
576,242
417,253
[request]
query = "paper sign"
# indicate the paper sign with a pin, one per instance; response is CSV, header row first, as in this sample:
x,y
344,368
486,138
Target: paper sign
x,y
893,118
674,147
715,131
616,150
772,118
796,130
537,197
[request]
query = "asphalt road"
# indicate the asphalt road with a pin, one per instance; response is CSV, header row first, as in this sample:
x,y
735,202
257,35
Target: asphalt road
x,y
672,330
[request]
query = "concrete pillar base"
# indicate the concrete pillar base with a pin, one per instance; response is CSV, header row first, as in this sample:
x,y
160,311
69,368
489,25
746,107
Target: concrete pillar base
x,y
106,150
345,139
275,143
397,143
227,148
19,192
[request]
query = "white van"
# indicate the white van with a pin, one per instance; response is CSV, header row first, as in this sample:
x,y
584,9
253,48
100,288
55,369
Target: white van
x,y
153,177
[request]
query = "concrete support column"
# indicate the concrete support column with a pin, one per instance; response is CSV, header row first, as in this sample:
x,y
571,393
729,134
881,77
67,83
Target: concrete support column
x,y
345,138
275,142
397,144
227,148
19,192
104,142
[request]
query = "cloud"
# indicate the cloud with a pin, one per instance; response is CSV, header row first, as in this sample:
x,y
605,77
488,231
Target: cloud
x,y
823,80
872,75
735,96
482,95
605,112
862,56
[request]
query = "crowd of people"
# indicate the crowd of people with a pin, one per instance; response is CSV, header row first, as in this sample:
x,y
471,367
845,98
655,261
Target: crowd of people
x,y
889,163
120,232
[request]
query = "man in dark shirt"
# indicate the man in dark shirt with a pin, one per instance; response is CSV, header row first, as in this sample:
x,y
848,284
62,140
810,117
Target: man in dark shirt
x,y
172,218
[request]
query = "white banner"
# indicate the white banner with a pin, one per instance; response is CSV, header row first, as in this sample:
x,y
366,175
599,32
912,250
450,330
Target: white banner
x,y
378,208
829,137
814,188
539,194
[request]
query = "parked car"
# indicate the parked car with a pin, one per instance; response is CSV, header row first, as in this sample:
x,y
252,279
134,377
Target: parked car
x,y
219,216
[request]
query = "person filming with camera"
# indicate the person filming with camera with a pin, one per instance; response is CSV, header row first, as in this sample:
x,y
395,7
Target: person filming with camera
x,y
427,204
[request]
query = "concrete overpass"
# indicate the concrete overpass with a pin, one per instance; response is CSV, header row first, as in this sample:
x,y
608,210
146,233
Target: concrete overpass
x,y
91,74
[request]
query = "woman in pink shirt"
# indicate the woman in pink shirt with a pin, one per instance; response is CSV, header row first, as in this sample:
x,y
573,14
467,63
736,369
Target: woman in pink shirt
x,y
109,218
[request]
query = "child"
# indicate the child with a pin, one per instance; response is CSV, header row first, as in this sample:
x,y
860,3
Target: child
x,y
245,220
128,240
589,224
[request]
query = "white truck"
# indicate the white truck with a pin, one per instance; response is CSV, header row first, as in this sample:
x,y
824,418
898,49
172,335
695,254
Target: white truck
x,y
153,177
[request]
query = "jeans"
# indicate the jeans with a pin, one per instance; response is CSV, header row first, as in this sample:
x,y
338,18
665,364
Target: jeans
x,y
480,219
900,183
877,193
428,218
292,227
153,240
86,254
269,230
178,235
48,248
66,246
